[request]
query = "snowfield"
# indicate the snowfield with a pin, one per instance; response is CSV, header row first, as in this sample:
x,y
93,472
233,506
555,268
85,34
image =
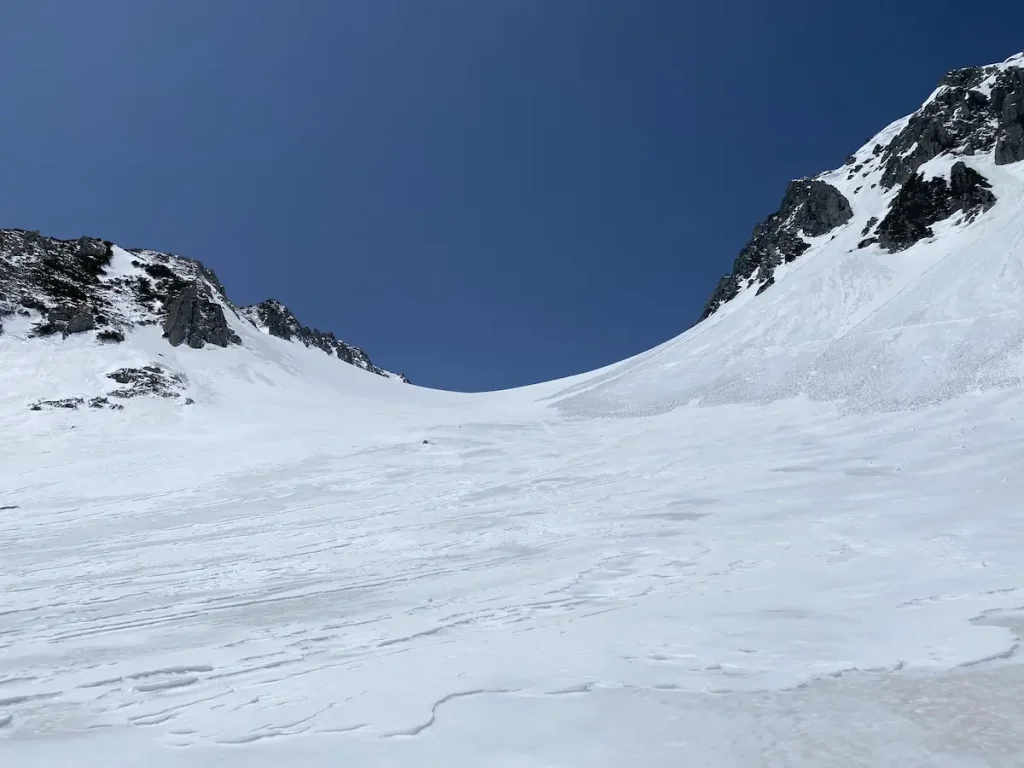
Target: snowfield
x,y
384,575
792,536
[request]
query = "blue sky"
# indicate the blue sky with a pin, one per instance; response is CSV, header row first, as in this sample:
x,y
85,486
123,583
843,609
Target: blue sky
x,y
481,193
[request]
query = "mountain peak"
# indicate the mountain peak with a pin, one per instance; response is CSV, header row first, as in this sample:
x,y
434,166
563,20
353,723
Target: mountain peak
x,y
927,168
88,286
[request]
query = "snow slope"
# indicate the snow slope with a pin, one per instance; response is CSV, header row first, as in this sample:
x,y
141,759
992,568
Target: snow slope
x,y
789,537
877,331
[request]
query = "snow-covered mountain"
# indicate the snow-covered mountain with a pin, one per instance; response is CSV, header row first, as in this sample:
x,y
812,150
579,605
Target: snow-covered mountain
x,y
88,294
892,282
790,536
891,191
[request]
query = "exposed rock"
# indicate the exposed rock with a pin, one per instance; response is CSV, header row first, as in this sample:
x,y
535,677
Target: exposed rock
x,y
963,120
65,320
80,322
68,285
148,380
974,110
193,318
810,207
969,191
103,402
67,403
967,77
959,117
919,204
31,302
277,320
6,310
92,248
110,336
815,207
1008,103
74,403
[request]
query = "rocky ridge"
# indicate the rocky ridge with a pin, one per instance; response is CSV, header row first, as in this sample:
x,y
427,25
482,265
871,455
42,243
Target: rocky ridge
x,y
976,115
74,287
274,318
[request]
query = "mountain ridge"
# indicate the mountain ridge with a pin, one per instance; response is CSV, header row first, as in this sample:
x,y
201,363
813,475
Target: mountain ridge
x,y
974,112
89,285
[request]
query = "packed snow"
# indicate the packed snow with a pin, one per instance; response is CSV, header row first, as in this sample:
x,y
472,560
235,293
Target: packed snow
x,y
791,536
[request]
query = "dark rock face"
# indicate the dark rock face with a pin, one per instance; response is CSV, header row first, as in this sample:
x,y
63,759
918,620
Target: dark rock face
x,y
74,403
103,402
68,286
969,190
148,380
815,207
974,110
193,318
957,117
964,120
919,204
63,271
1008,103
811,207
66,321
279,321
62,280
109,336
91,248
80,322
67,403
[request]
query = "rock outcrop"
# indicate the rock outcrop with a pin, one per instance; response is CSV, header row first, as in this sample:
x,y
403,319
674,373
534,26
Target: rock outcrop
x,y
974,112
72,288
277,320
148,380
1008,104
810,207
193,318
919,204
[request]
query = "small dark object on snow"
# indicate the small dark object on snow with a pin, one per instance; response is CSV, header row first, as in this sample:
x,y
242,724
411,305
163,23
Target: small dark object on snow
x,y
69,403
110,336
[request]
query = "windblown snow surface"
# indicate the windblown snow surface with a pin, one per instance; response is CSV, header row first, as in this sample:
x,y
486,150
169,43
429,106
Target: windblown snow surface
x,y
792,536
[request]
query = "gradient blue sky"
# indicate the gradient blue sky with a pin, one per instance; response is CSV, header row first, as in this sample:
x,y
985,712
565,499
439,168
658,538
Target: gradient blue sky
x,y
481,193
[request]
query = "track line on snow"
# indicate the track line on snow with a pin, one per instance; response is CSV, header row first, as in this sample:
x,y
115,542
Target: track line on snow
x,y
418,729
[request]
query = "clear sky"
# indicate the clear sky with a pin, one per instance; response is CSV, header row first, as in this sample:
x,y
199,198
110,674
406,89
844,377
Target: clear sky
x,y
481,193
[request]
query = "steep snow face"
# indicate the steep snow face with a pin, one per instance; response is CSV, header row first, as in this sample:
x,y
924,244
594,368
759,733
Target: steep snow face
x,y
914,298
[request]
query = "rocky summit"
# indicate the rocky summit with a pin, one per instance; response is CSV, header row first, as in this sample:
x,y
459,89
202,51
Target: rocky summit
x,y
928,168
90,287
